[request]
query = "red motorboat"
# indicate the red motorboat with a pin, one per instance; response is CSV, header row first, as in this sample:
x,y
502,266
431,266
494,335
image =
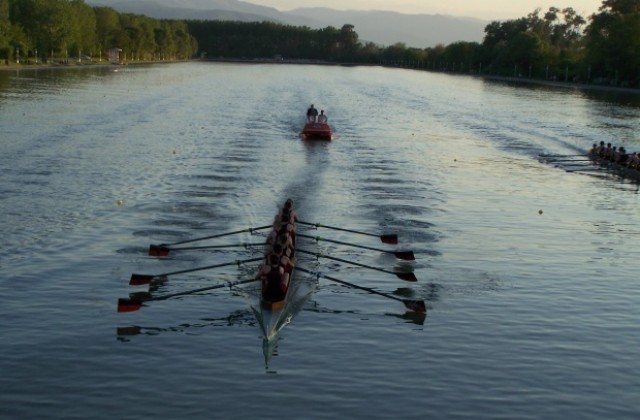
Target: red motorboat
x,y
317,131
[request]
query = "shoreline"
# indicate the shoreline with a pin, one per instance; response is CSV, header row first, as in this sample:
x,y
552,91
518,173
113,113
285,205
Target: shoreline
x,y
507,79
561,85
92,64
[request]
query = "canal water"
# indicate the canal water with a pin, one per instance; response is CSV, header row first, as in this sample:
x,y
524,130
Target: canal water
x,y
527,256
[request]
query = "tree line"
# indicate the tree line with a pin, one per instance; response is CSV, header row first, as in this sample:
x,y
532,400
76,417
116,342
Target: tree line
x,y
46,30
557,44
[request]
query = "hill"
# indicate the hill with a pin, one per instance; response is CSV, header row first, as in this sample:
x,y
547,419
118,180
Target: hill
x,y
381,27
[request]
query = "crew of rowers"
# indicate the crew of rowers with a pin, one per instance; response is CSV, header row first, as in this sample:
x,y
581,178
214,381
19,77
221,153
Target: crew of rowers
x,y
615,154
275,272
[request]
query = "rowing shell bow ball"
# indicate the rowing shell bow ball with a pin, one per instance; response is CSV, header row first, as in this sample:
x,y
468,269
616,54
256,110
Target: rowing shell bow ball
x,y
119,202
540,211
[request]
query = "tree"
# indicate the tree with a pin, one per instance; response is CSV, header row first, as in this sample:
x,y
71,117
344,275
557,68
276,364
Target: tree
x,y
107,27
5,29
85,33
613,41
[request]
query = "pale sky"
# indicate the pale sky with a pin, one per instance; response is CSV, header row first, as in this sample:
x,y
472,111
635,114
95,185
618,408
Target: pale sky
x,y
482,9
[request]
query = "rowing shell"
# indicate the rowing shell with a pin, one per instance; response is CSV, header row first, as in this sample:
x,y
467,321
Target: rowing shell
x,y
616,168
277,271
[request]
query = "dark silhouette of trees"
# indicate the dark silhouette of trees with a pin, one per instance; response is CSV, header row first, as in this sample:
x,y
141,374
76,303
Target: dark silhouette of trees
x,y
44,30
613,42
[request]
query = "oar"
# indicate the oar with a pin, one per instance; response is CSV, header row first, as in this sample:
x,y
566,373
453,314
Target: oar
x,y
412,305
403,276
135,301
164,250
587,169
138,279
155,249
387,239
402,255
560,156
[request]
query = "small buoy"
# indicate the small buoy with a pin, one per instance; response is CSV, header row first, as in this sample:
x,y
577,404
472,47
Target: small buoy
x,y
119,202
174,151
539,211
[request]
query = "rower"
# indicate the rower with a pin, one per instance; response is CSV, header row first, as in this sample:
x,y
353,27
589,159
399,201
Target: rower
x,y
274,277
600,150
285,241
622,157
287,214
286,260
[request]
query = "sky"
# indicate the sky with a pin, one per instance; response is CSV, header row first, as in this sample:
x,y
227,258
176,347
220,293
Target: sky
x,y
482,9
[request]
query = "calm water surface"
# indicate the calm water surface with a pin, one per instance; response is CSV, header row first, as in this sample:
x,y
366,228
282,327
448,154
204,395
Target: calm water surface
x,y
529,271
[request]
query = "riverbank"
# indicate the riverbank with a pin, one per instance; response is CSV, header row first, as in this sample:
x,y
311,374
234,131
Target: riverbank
x,y
562,85
75,65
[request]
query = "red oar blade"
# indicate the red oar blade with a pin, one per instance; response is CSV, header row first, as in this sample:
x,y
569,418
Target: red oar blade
x,y
140,279
389,239
405,255
128,305
158,251
407,276
415,305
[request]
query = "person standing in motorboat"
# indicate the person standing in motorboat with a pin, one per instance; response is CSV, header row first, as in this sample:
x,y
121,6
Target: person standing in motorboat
x,y
322,118
312,113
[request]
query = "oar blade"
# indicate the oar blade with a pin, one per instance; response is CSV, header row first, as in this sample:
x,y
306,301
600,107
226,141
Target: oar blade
x,y
140,279
389,239
407,276
159,251
128,305
405,255
415,306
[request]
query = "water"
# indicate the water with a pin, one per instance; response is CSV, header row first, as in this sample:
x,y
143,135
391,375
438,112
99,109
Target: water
x,y
528,271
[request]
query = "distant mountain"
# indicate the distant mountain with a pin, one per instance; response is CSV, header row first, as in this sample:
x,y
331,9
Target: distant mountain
x,y
387,28
382,27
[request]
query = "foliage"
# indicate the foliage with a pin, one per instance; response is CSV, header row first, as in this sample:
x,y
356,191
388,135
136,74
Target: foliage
x,y
43,30
267,40
613,41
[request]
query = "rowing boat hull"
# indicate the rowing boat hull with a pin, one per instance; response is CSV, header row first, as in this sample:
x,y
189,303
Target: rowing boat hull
x,y
278,304
617,169
317,131
275,289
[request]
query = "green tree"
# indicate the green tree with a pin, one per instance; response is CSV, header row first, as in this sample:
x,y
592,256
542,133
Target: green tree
x,y
613,41
107,28
85,34
5,30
